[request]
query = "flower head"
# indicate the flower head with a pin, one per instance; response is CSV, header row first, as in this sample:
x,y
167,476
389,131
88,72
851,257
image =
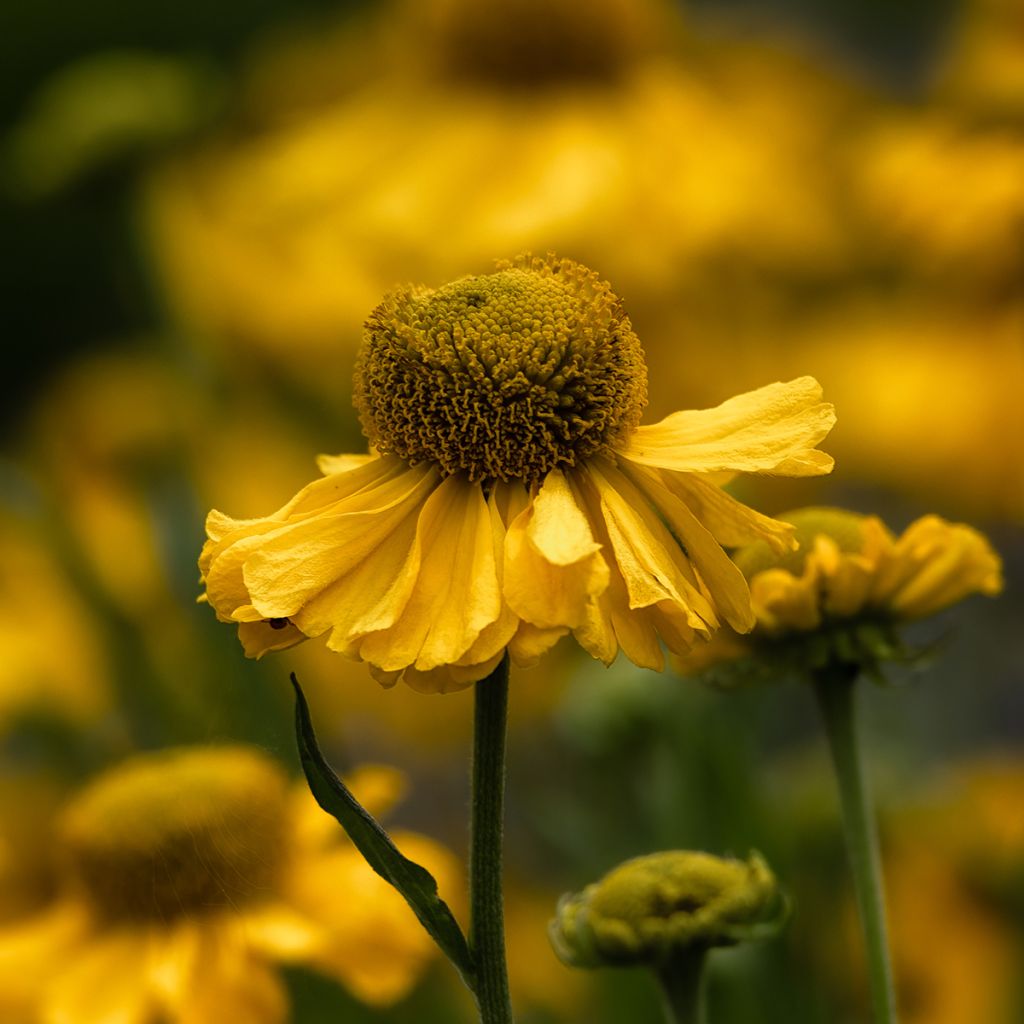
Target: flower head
x,y
842,594
649,909
513,496
186,875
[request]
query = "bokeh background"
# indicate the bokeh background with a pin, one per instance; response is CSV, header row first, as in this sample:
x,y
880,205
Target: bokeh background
x,y
201,204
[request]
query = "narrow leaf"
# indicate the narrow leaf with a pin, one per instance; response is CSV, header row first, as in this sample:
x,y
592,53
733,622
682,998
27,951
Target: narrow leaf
x,y
416,884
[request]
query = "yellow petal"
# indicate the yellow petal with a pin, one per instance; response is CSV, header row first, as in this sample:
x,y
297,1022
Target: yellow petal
x,y
935,564
724,581
233,541
553,566
450,678
259,638
495,637
846,578
653,565
229,983
456,593
784,602
730,522
331,464
372,942
29,951
287,567
531,642
771,430
107,982
652,591
280,933
369,598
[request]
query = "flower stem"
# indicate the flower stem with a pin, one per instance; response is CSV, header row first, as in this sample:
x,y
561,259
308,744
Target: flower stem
x,y
836,698
681,987
487,915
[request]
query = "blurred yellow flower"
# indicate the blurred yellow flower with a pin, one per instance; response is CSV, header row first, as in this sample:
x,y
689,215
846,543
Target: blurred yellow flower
x,y
944,195
37,603
983,65
190,873
531,126
981,826
898,434
846,587
955,872
954,960
513,496
848,565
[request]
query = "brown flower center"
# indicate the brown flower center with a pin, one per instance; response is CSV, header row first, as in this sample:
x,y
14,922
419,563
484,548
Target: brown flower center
x,y
178,832
503,376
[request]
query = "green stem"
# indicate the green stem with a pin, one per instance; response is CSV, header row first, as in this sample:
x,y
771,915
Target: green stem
x,y
487,915
836,699
681,987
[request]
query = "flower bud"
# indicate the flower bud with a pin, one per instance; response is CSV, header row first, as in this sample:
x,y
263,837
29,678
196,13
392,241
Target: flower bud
x,y
651,908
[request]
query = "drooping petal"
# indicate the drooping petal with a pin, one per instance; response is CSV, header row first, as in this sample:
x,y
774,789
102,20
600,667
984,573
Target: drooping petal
x,y
451,678
369,598
531,642
653,594
331,464
280,932
29,950
729,521
935,564
725,582
771,430
785,602
107,982
456,592
226,555
259,638
284,569
488,647
653,565
373,943
553,565
228,982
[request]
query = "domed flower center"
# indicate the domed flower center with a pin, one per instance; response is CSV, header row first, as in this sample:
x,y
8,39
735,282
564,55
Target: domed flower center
x,y
504,376
178,832
845,529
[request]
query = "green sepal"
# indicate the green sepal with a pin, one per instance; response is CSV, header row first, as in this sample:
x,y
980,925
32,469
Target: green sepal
x,y
415,883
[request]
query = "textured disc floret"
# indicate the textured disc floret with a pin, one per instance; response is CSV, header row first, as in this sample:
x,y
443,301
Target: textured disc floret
x,y
177,832
503,376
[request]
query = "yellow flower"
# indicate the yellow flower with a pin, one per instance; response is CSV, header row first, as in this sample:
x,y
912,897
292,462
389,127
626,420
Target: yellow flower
x,y
848,565
189,874
512,497
850,582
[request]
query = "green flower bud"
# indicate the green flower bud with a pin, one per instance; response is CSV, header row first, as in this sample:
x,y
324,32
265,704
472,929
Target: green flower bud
x,y
649,909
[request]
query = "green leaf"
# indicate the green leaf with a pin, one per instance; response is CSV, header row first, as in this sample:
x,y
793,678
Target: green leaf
x,y
416,884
